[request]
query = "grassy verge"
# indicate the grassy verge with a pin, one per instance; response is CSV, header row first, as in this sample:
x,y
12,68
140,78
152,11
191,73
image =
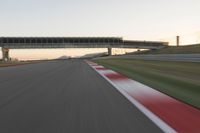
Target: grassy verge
x,y
177,79
188,49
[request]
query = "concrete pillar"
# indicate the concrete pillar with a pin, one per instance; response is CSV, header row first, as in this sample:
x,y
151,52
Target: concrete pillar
x,y
109,51
5,54
177,40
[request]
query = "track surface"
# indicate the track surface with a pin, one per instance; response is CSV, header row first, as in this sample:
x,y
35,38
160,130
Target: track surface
x,y
65,97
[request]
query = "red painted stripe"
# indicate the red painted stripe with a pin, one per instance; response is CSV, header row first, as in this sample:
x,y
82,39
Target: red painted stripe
x,y
101,68
180,116
115,76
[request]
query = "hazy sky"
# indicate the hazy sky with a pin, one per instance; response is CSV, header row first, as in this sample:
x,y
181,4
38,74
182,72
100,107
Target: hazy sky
x,y
131,19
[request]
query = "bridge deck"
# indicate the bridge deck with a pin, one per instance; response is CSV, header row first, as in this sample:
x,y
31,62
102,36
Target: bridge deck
x,y
76,42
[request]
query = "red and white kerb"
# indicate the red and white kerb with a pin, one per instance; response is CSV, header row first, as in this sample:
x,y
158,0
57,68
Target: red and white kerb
x,y
168,113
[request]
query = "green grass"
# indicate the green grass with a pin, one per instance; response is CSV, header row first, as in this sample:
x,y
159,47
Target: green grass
x,y
189,49
180,80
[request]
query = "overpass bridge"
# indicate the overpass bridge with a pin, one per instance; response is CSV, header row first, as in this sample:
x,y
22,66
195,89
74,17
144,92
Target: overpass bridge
x,y
74,42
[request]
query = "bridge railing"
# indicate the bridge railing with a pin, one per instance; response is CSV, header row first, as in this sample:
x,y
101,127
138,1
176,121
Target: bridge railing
x,y
17,43
61,40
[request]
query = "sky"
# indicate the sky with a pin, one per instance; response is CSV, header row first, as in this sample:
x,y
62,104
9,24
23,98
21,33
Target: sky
x,y
130,19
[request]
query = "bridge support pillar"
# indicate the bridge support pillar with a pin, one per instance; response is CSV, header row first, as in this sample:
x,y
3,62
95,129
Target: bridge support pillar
x,y
109,51
5,54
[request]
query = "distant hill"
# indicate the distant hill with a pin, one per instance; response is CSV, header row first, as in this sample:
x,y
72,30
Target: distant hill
x,y
94,55
63,57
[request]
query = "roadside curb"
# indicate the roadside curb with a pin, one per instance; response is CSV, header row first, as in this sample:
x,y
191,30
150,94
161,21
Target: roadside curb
x,y
166,112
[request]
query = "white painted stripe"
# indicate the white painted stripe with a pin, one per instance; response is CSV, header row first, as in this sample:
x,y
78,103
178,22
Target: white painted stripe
x,y
159,122
138,89
106,72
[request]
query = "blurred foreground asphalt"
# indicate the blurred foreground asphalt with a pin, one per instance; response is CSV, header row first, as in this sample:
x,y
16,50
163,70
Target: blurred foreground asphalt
x,y
65,97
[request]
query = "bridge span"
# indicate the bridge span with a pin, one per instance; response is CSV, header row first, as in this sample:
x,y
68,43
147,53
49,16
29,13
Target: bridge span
x,y
74,42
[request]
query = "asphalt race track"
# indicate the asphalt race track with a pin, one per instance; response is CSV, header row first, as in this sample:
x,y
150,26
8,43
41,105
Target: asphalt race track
x,y
65,97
